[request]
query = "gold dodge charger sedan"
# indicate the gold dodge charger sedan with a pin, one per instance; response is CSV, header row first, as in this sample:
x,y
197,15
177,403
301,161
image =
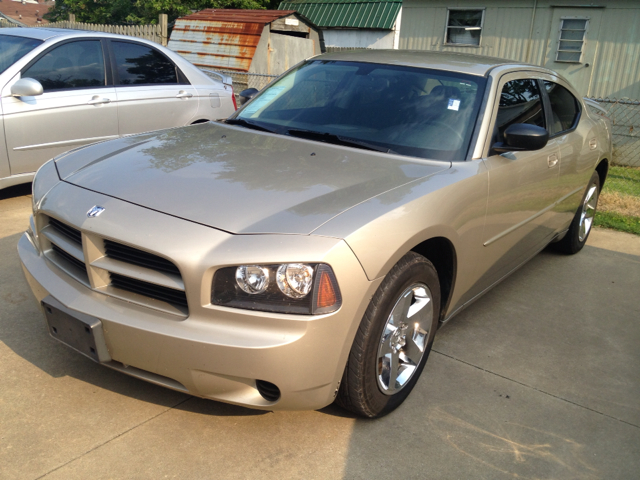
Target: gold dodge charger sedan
x,y
307,249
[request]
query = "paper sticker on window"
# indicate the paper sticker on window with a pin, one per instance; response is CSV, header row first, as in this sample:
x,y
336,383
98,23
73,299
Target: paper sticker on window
x,y
260,102
454,104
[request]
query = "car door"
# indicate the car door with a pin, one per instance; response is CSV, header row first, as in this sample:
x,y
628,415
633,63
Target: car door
x,y
75,107
152,92
577,148
523,186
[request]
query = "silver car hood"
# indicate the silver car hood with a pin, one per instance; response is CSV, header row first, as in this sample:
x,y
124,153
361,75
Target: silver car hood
x,y
239,180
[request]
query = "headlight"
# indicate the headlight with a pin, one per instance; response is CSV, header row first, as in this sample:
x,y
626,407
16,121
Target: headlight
x,y
295,279
298,288
252,279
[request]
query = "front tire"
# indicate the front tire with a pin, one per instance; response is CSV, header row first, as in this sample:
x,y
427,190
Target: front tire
x,y
394,339
581,225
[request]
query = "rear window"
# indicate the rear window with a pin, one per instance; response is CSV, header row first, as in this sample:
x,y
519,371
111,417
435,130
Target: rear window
x,y
564,108
13,49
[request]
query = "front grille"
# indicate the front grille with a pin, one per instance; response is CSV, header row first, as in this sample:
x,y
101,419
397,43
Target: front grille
x,y
268,390
66,230
68,257
169,295
124,253
63,245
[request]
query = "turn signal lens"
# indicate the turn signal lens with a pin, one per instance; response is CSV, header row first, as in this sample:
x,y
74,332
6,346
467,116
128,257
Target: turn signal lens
x,y
295,279
252,278
326,292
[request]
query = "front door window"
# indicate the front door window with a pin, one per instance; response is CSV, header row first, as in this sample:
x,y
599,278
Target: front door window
x,y
71,65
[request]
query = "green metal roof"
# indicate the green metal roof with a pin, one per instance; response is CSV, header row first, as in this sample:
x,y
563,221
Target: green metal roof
x,y
379,14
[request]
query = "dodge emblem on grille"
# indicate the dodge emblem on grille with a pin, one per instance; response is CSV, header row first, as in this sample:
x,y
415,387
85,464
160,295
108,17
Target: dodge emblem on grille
x,y
95,211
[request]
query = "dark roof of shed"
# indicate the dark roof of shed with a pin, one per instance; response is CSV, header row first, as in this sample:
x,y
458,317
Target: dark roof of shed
x,y
371,14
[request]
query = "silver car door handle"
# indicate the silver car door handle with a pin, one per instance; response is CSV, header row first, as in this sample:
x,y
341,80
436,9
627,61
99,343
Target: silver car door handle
x,y
97,100
183,94
552,160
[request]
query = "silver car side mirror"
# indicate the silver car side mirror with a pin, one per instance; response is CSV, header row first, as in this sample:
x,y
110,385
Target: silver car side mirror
x,y
26,87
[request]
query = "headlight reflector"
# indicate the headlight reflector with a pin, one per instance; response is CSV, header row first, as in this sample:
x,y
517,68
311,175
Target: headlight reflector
x,y
252,279
295,279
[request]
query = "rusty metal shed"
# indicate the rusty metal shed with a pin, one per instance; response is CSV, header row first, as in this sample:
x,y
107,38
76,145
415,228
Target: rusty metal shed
x,y
246,41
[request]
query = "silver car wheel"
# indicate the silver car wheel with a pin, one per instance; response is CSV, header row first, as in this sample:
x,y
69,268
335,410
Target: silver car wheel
x,y
404,338
588,212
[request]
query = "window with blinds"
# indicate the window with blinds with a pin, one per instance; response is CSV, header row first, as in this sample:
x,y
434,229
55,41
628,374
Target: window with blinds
x,y
572,39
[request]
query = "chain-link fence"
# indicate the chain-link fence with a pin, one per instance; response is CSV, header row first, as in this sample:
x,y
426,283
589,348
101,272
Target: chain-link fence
x,y
625,115
243,80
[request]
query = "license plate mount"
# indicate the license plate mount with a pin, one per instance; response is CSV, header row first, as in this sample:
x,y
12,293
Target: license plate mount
x,y
77,330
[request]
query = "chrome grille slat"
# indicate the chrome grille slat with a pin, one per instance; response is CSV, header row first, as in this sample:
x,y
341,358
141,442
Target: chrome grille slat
x,y
66,230
169,295
68,257
64,242
139,273
128,254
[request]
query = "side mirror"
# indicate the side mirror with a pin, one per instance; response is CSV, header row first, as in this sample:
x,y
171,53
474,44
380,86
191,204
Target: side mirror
x,y
26,87
520,137
247,95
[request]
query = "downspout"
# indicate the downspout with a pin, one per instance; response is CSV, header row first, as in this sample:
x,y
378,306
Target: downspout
x,y
533,19
396,33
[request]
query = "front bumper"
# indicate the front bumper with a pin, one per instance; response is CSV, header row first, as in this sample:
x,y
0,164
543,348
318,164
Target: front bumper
x,y
215,352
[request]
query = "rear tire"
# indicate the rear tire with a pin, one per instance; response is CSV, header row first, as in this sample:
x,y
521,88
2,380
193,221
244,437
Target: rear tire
x,y
580,228
394,339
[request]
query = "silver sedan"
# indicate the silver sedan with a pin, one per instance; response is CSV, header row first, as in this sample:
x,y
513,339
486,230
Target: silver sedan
x,y
61,89
308,249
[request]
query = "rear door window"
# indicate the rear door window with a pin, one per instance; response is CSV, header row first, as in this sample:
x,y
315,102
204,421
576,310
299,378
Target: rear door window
x,y
71,65
138,64
564,108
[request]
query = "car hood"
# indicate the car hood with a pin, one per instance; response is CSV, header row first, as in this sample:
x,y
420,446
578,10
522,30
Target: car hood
x,y
239,180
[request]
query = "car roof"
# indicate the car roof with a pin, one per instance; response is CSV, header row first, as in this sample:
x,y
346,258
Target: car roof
x,y
456,62
37,33
43,33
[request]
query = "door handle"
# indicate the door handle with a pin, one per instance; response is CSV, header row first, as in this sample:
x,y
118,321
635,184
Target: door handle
x,y
98,100
183,94
552,160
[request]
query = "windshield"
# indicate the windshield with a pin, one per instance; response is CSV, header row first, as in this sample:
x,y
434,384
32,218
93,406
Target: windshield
x,y
13,49
406,110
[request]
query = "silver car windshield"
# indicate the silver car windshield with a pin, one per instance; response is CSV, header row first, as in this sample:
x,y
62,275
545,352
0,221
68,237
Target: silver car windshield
x,y
13,49
410,111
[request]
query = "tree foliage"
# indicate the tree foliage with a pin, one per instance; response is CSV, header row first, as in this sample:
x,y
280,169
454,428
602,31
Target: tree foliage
x,y
142,12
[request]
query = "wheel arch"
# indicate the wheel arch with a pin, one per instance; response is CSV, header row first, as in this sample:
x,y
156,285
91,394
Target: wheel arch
x,y
603,170
441,252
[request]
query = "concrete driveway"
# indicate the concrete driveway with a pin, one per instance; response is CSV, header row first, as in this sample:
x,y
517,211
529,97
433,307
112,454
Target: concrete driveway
x,y
540,379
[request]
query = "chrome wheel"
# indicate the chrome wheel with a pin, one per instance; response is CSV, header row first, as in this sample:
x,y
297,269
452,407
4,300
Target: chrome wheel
x,y
404,338
588,212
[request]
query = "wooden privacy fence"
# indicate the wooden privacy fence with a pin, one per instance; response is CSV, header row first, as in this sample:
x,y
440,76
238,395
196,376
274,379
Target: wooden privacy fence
x,y
155,33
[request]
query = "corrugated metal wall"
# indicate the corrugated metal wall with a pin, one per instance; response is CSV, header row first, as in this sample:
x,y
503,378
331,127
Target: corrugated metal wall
x,y
616,67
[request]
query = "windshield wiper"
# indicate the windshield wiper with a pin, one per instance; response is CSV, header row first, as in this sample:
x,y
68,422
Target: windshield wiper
x,y
338,140
248,124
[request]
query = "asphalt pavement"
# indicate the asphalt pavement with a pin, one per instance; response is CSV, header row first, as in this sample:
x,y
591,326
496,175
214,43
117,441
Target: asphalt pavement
x,y
539,379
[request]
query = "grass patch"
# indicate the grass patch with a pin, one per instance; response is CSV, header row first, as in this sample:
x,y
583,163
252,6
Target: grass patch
x,y
624,180
619,204
618,222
